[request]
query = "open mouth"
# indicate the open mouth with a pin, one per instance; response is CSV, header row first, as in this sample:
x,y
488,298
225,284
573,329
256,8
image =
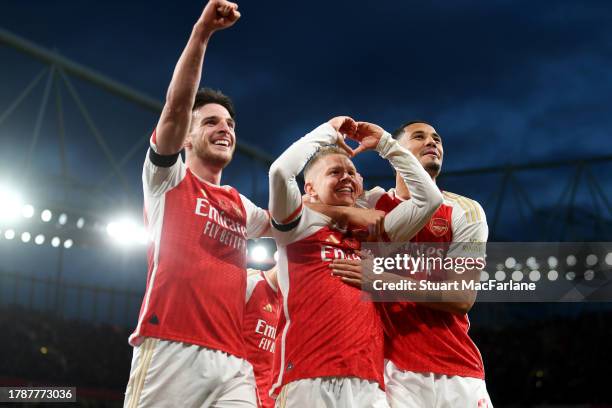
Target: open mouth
x,y
222,142
346,190
432,153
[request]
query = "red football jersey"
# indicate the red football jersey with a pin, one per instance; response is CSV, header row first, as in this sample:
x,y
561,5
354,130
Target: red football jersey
x,y
260,320
427,340
326,328
196,257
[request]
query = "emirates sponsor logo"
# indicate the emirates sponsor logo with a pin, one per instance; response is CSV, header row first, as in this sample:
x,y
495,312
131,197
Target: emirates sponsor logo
x,y
329,253
268,334
438,226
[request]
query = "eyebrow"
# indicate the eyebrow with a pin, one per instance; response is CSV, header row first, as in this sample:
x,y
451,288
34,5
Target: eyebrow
x,y
229,120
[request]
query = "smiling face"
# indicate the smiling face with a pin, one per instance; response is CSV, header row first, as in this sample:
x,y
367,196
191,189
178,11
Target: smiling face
x,y
212,136
424,142
333,180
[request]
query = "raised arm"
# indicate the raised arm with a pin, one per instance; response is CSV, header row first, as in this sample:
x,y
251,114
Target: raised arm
x,y
409,217
285,203
175,119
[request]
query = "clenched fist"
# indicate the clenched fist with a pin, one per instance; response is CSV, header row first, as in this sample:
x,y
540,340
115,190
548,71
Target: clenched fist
x,y
219,14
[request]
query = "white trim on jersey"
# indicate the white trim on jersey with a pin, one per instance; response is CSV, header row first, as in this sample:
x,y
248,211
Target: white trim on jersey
x,y
252,281
283,284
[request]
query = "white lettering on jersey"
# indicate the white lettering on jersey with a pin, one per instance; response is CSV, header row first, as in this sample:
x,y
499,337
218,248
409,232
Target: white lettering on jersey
x,y
335,253
268,333
219,227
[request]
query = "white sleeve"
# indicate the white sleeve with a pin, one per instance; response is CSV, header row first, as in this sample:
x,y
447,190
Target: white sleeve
x,y
161,173
257,219
285,196
252,281
469,226
409,217
369,198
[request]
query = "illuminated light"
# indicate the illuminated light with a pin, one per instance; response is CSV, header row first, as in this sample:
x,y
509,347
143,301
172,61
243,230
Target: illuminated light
x,y
591,260
10,204
63,218
68,243
532,263
517,276
510,263
571,260
80,223
570,276
44,350
259,253
609,258
40,239
26,236
553,275
484,276
534,276
500,276
552,262
27,211
275,256
127,232
46,215
9,234
589,274
55,242
499,267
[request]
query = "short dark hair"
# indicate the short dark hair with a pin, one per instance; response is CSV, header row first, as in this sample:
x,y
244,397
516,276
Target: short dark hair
x,y
207,95
397,133
322,152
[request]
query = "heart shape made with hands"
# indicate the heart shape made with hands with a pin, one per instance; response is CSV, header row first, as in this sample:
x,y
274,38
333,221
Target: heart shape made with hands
x,y
366,134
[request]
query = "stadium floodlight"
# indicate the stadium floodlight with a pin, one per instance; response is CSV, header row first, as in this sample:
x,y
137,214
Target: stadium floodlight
x,y
26,236
80,223
40,239
510,263
609,258
9,234
571,260
27,211
517,276
534,276
591,260
259,253
68,243
500,276
552,262
589,274
10,203
570,276
484,276
63,218
532,263
55,242
46,215
553,275
127,232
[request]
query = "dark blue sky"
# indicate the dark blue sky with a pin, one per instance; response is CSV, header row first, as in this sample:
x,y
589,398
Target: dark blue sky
x,y
503,81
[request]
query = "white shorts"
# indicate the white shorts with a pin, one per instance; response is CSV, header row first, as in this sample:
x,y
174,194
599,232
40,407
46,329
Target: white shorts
x,y
407,389
172,374
332,392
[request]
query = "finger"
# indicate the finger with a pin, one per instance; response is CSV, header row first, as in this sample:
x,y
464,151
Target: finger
x,y
353,282
345,262
342,144
347,269
359,149
347,274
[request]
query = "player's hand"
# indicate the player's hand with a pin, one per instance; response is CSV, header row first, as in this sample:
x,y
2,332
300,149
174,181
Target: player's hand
x,y
346,127
219,14
368,135
354,272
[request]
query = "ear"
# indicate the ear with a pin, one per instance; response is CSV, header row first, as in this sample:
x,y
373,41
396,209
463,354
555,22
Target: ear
x,y
309,189
187,143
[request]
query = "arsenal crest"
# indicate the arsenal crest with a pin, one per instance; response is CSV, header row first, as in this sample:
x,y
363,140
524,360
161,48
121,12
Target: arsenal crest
x,y
438,226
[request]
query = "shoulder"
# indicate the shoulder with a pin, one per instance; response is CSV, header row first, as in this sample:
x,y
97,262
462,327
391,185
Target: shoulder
x,y
369,198
470,211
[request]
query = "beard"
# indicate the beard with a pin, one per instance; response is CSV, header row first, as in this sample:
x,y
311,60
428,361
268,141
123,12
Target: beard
x,y
433,168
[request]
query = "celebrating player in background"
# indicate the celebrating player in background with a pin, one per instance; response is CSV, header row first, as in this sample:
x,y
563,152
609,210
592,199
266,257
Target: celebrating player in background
x,y
432,362
260,320
188,344
329,350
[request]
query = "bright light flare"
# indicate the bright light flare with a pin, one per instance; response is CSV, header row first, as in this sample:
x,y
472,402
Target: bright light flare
x,y
259,253
10,204
127,232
